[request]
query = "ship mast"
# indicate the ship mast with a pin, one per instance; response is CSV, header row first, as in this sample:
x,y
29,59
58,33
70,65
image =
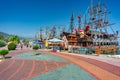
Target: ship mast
x,y
41,34
85,22
92,15
100,21
79,22
105,17
46,32
72,23
36,36
54,31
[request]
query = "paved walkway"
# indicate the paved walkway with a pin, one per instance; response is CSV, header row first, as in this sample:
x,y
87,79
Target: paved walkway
x,y
104,58
94,67
101,70
25,65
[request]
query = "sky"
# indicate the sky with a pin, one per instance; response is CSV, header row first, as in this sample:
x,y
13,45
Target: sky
x,y
26,17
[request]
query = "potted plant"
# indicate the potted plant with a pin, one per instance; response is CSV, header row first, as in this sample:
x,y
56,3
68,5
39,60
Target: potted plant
x,y
4,52
35,47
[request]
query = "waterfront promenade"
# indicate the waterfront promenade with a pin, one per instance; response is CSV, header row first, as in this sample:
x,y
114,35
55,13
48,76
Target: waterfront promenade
x,y
23,65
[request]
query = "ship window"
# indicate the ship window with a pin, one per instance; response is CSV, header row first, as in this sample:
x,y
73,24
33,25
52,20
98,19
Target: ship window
x,y
93,36
100,36
104,43
107,43
97,36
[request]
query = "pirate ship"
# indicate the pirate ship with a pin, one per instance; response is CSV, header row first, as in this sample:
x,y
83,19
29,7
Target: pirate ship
x,y
94,33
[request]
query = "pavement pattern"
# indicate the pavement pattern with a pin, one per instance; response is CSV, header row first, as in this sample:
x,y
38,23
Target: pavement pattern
x,y
24,65
99,69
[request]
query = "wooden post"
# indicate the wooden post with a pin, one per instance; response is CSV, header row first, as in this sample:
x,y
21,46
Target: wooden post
x,y
97,51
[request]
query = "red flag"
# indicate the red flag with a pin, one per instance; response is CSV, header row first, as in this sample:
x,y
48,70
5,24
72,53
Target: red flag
x,y
76,30
87,28
105,6
79,16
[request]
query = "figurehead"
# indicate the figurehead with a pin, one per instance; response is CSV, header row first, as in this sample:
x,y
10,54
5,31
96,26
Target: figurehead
x,y
81,33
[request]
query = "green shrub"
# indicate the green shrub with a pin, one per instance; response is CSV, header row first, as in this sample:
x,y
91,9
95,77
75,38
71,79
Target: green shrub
x,y
4,52
35,47
11,46
2,43
14,39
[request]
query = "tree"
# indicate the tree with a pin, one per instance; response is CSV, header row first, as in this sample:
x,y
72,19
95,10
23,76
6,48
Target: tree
x,y
4,52
35,47
25,41
2,43
1,37
14,39
11,46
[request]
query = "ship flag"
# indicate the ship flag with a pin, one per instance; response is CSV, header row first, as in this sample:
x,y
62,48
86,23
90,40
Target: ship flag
x,y
105,6
79,16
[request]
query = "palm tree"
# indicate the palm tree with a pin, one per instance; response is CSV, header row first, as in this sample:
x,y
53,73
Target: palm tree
x,y
14,39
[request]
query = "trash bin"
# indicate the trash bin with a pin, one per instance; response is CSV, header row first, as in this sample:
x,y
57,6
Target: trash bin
x,y
69,49
90,50
75,50
83,50
118,51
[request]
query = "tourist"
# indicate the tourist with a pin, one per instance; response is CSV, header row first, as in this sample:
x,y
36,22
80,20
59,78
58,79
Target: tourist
x,y
21,45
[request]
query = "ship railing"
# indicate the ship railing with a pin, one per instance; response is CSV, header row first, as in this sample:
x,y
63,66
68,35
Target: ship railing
x,y
107,48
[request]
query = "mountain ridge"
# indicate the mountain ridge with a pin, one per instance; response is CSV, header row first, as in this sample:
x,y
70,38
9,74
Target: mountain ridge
x,y
6,35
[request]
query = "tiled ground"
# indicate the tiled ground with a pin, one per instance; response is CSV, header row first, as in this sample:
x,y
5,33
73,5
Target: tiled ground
x,y
69,72
24,66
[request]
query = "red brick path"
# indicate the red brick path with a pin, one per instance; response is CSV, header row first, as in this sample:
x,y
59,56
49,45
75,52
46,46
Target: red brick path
x,y
20,69
100,70
14,69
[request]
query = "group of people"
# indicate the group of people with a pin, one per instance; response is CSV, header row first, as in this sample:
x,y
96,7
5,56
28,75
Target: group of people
x,y
21,45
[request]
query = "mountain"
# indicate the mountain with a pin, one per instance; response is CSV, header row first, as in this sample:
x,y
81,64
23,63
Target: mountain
x,y
6,35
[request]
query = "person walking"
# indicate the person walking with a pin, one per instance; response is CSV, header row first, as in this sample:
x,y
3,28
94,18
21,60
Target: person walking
x,y
21,45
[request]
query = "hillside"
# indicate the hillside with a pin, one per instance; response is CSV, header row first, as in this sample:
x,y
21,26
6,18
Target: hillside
x,y
6,35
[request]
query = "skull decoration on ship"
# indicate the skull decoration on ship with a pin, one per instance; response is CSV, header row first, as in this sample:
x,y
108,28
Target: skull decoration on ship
x,y
84,33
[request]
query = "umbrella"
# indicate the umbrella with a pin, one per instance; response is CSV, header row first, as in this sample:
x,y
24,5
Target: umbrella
x,y
36,42
55,40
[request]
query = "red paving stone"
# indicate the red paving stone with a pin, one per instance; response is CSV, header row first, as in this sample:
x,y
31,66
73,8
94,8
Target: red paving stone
x,y
24,69
109,67
6,67
19,67
5,64
96,71
10,69
47,66
14,69
38,69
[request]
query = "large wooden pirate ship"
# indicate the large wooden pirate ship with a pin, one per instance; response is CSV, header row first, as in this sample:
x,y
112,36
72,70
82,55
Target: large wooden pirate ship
x,y
94,32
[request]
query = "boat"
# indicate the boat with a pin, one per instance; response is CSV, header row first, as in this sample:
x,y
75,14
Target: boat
x,y
94,33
